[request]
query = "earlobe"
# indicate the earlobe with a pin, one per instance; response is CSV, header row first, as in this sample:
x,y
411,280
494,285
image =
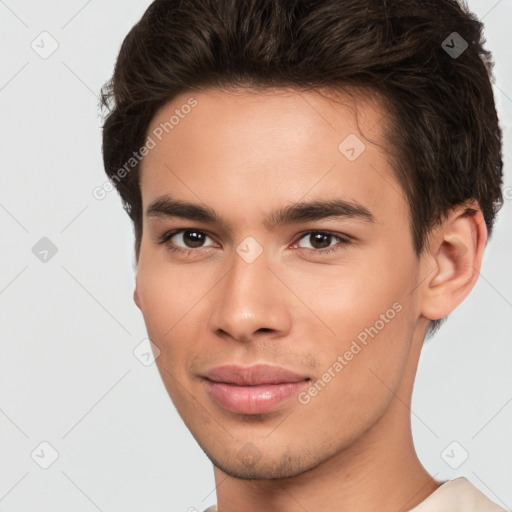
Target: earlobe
x,y
456,248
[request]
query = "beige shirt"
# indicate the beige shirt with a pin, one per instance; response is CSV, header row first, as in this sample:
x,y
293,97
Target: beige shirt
x,y
458,495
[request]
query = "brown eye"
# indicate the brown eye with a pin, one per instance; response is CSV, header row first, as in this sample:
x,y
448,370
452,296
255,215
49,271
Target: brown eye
x,y
193,238
318,240
184,239
323,243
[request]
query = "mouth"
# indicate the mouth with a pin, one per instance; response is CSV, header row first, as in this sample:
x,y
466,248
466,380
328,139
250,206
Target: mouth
x,y
253,390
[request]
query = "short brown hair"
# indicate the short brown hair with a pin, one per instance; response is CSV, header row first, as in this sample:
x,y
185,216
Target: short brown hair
x,y
443,135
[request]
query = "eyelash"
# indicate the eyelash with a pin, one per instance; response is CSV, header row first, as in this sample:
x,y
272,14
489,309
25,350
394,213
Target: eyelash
x,y
343,242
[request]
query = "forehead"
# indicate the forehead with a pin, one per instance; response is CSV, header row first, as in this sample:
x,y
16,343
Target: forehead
x,y
281,114
244,148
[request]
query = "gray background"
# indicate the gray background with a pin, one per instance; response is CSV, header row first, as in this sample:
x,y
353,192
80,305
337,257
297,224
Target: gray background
x,y
68,373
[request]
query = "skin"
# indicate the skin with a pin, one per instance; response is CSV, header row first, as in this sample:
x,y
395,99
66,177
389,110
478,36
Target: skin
x,y
245,154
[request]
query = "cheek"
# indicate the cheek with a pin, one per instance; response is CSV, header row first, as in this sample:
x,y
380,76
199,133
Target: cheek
x,y
167,292
167,302
350,297
367,313
363,363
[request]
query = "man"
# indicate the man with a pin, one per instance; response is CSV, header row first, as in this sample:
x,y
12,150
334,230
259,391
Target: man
x,y
312,186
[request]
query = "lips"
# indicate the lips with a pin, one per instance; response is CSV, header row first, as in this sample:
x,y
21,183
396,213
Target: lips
x,y
253,375
254,389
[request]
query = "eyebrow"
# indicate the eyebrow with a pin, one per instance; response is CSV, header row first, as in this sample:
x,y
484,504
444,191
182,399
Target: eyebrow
x,y
166,206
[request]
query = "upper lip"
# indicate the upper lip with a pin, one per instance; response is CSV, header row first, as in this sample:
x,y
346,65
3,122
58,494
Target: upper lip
x,y
253,375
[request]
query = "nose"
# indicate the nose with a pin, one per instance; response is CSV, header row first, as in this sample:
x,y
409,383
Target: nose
x,y
250,302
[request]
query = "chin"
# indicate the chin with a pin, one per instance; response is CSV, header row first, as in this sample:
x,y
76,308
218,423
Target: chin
x,y
249,464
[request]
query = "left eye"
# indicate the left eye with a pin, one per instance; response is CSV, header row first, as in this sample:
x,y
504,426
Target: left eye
x,y
319,240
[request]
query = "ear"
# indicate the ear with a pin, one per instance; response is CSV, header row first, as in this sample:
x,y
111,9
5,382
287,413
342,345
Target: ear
x,y
453,260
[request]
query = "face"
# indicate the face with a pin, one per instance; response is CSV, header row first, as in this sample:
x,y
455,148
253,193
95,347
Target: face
x,y
247,274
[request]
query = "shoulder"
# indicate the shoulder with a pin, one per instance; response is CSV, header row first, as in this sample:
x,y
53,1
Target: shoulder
x,y
458,495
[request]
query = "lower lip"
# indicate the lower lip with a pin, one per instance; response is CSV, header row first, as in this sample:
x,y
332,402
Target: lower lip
x,y
253,399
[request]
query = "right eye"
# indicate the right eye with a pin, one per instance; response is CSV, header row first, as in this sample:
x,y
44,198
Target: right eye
x,y
185,240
